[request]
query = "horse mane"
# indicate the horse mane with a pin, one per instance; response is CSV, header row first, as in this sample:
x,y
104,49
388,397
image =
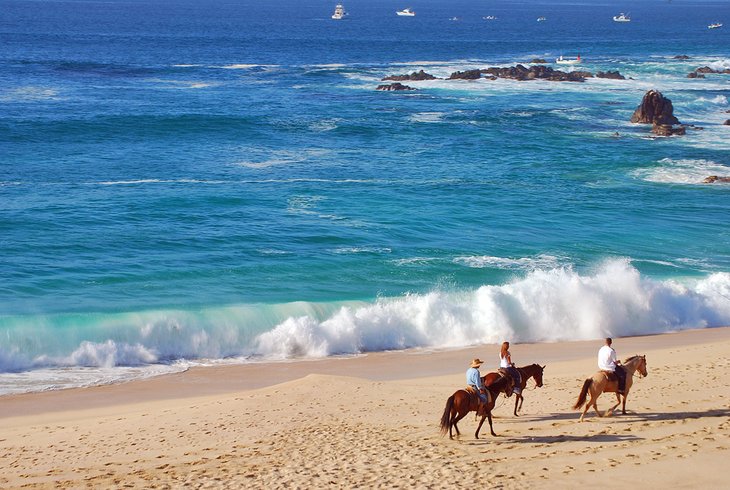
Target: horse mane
x,y
628,360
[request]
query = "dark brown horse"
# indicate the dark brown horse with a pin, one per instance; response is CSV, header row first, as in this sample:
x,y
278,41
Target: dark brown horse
x,y
526,372
462,402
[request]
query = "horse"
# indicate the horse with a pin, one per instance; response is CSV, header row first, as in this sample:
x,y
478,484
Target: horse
x,y
526,372
600,383
462,402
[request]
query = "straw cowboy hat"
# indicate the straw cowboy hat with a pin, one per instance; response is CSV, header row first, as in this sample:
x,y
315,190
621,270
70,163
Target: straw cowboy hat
x,y
475,363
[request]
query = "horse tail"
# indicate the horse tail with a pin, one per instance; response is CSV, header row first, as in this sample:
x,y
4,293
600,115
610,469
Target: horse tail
x,y
583,394
447,415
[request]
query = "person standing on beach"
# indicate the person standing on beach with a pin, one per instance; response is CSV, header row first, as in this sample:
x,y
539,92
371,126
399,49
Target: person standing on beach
x,y
608,362
474,380
507,366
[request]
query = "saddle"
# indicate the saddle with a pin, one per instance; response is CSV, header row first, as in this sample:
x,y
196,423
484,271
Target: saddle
x,y
473,392
610,375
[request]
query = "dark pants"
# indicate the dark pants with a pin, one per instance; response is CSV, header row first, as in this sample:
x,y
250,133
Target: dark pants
x,y
621,375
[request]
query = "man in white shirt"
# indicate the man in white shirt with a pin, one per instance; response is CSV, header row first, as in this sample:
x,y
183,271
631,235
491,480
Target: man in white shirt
x,y
607,362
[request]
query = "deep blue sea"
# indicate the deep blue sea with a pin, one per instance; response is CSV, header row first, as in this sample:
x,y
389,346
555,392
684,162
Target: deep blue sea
x,y
188,182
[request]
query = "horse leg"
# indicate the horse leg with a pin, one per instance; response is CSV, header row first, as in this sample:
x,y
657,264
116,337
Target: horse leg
x,y
518,398
623,407
456,419
491,429
522,398
476,434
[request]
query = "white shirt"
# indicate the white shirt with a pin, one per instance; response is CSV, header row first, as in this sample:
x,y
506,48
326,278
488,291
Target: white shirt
x,y
607,359
503,362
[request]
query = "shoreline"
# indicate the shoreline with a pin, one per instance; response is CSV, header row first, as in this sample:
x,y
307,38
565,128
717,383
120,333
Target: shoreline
x,y
376,366
373,422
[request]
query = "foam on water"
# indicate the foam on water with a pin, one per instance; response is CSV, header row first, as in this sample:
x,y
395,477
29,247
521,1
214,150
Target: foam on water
x,y
681,171
544,305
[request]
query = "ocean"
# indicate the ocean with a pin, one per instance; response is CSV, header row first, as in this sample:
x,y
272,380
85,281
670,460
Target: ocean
x,y
196,182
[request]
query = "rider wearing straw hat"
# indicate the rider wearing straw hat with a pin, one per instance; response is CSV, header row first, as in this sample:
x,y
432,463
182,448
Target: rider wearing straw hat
x,y
474,380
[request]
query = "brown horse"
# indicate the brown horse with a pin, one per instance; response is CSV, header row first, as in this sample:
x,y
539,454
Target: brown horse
x,y
462,402
526,372
600,383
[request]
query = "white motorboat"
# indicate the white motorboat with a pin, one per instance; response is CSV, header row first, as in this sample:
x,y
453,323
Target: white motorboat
x,y
407,12
541,19
490,17
339,12
568,61
454,19
716,25
622,17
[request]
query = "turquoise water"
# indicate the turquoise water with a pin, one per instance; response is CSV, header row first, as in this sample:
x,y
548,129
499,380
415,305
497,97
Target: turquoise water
x,y
198,182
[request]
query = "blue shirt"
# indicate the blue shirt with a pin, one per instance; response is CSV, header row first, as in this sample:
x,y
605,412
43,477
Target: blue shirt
x,y
473,378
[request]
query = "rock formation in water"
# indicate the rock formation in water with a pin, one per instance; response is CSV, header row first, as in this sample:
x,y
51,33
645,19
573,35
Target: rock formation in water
x,y
714,178
657,110
394,86
415,76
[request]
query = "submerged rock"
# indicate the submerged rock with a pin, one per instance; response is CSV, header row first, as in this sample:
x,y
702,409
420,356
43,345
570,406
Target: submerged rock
x,y
613,75
694,74
394,86
537,61
682,57
714,178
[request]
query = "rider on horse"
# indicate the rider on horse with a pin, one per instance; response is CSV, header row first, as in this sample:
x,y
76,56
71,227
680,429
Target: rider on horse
x,y
507,367
474,381
608,363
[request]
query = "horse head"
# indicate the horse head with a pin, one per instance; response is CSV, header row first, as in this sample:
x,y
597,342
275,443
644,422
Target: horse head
x,y
642,366
538,374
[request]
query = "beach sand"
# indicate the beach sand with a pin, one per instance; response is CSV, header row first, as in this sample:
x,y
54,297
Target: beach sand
x,y
372,422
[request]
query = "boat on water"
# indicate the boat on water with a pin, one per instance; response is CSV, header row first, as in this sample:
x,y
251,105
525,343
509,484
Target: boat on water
x,y
490,17
568,61
339,12
454,19
541,19
622,17
406,12
716,25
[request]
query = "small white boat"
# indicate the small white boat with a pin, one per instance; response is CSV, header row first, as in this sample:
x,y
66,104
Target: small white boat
x,y
455,19
568,61
490,17
622,17
407,12
339,12
716,25
541,19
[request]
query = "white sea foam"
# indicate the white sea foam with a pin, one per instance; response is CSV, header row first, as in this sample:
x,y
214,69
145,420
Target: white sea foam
x,y
543,305
28,94
361,250
546,305
681,171
522,263
427,117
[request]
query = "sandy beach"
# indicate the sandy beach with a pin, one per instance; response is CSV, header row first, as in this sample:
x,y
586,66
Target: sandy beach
x,y
372,422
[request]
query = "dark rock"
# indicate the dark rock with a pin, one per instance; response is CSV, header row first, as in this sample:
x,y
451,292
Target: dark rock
x,y
540,72
694,74
727,122
682,57
613,75
394,86
466,75
705,69
415,76
714,178
537,61
655,109
667,130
